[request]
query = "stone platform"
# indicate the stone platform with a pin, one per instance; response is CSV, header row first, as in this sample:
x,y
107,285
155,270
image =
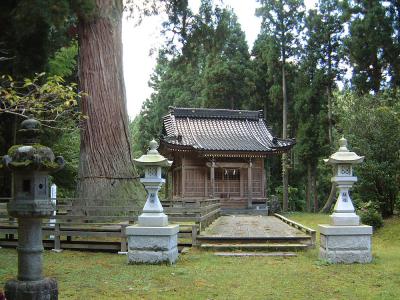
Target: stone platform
x,y
251,227
345,244
152,245
253,233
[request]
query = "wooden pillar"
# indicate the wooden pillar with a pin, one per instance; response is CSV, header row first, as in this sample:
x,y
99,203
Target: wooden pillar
x,y
249,185
268,178
183,177
167,196
262,178
241,181
212,178
173,192
205,182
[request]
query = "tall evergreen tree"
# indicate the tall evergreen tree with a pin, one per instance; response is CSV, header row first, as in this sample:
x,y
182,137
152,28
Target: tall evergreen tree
x,y
212,69
282,21
368,43
393,51
228,80
310,105
330,36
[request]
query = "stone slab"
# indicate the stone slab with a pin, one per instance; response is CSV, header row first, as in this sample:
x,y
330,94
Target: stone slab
x,y
347,257
238,226
252,254
152,231
345,242
345,219
153,257
154,243
153,220
345,230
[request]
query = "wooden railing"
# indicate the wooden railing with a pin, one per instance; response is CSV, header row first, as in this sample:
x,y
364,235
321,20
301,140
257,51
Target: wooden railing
x,y
301,227
198,210
106,224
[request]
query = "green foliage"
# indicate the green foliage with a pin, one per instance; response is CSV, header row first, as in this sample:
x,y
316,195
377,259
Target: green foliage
x,y
368,44
211,69
32,32
67,145
295,196
282,21
50,99
64,61
372,125
369,215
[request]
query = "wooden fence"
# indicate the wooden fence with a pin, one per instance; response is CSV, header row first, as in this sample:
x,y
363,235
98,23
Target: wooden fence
x,y
101,224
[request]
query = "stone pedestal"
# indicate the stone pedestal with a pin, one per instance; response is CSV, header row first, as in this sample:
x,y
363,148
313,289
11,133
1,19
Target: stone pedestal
x,y
33,290
152,245
345,244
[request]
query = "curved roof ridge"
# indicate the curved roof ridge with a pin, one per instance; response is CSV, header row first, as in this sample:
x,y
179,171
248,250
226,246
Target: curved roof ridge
x,y
191,132
252,133
215,113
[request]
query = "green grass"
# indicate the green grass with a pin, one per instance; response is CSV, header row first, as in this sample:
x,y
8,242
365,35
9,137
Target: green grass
x,y
201,275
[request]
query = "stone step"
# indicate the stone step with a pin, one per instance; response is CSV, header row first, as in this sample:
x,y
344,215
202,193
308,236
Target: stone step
x,y
252,240
254,247
247,254
252,212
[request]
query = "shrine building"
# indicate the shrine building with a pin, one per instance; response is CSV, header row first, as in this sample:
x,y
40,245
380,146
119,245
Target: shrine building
x,y
219,153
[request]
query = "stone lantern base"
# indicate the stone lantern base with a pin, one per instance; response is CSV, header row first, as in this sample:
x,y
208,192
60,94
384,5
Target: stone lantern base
x,y
345,244
152,245
45,289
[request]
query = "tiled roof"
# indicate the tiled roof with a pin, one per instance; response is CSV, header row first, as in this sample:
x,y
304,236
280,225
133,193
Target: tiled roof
x,y
220,130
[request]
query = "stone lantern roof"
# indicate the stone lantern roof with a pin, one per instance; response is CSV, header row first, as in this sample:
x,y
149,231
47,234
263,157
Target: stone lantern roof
x,y
153,158
31,155
343,155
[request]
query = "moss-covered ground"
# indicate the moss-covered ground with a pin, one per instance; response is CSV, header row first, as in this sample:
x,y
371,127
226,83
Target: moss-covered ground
x,y
201,275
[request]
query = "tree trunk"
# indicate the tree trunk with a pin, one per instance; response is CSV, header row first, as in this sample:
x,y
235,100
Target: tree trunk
x,y
285,174
309,188
330,126
105,156
329,93
314,188
331,199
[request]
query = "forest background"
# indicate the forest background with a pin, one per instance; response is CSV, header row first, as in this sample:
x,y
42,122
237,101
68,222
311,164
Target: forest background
x,y
292,73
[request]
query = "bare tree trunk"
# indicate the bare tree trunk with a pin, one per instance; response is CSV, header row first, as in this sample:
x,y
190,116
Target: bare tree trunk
x,y
329,92
309,188
285,173
331,199
314,188
329,95
105,155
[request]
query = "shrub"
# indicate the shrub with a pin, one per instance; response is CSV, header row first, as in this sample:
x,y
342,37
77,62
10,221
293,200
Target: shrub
x,y
370,216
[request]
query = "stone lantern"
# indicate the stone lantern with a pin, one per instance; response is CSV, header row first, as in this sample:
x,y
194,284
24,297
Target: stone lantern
x,y
31,164
345,240
152,240
343,161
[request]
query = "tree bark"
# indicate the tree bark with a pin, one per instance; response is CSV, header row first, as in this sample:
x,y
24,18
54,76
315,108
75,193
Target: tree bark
x,y
309,188
105,154
314,188
285,174
329,92
331,199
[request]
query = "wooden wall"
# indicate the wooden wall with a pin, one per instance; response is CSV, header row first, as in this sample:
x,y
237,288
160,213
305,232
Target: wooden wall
x,y
192,172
